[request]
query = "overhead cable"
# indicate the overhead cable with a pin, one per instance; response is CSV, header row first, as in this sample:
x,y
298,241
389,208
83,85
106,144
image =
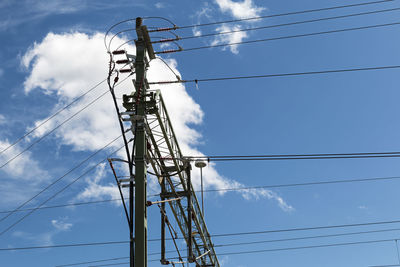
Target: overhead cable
x,y
285,24
284,37
283,249
279,75
52,116
58,126
222,190
216,245
285,14
59,179
57,193
306,247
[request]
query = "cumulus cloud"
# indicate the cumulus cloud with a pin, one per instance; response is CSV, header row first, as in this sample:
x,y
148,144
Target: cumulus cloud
x,y
61,225
204,12
23,167
236,10
45,238
96,189
66,65
20,170
230,38
240,10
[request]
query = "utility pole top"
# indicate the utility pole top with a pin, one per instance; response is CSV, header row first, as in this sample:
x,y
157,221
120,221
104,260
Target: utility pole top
x,y
143,34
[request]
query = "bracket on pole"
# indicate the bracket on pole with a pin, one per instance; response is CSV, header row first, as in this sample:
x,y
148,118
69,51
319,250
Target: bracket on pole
x,y
142,32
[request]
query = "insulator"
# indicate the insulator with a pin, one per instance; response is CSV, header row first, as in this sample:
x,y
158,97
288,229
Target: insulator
x,y
118,52
125,70
165,29
169,51
122,61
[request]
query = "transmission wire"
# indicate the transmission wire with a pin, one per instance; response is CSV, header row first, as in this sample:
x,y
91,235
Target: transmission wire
x,y
287,37
58,126
57,193
58,179
52,116
284,14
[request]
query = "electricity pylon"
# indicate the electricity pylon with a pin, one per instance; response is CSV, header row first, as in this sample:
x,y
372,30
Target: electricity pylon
x,y
155,144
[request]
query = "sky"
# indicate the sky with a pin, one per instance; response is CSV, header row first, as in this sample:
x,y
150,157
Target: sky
x,y
53,51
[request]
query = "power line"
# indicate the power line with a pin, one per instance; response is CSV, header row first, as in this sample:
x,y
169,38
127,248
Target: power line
x,y
306,237
67,245
285,249
303,157
52,130
222,190
306,228
284,14
217,245
279,75
285,24
286,37
305,247
58,126
236,20
232,234
95,261
64,205
58,179
304,184
57,193
52,116
104,260
295,155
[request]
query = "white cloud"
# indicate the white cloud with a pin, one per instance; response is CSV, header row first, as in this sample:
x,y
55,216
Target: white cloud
x,y
45,238
230,38
97,189
240,10
24,11
24,167
2,120
205,12
196,31
61,225
160,5
68,64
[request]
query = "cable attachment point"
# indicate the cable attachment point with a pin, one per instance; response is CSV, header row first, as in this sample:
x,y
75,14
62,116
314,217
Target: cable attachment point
x,y
118,52
174,28
126,182
164,262
149,203
170,51
166,40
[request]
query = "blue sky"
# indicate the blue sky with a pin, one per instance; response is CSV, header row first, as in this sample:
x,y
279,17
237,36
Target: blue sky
x,y
53,52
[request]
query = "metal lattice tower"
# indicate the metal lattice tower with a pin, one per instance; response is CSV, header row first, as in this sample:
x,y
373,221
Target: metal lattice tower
x,y
156,145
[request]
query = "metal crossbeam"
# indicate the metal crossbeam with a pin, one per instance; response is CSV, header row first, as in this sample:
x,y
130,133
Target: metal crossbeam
x,y
177,186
